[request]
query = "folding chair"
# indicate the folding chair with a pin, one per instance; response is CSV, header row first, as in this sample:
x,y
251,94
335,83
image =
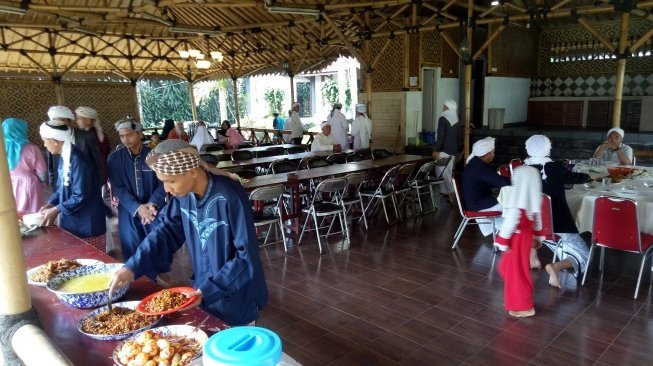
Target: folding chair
x,y
276,150
263,153
238,155
364,153
316,162
296,150
438,179
209,159
381,153
222,157
513,164
261,218
246,174
352,195
384,190
423,185
244,145
337,158
469,215
403,186
211,147
616,226
353,157
282,166
318,208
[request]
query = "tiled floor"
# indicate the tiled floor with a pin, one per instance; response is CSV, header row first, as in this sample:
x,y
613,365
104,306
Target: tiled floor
x,y
399,295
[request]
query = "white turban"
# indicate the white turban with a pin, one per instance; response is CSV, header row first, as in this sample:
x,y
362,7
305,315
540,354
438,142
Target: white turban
x,y
482,147
538,148
90,113
60,111
128,123
324,124
451,104
59,132
617,130
86,112
275,111
361,108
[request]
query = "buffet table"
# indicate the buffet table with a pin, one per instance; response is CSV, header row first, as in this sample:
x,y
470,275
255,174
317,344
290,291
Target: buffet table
x,y
60,321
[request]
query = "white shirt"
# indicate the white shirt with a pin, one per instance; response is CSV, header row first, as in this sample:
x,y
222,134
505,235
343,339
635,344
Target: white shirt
x,y
361,129
296,126
202,137
610,155
339,128
321,142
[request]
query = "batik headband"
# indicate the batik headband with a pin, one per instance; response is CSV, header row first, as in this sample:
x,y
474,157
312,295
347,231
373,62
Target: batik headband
x,y
175,162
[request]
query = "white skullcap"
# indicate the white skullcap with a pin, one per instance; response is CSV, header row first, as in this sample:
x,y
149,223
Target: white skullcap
x,y
128,123
451,104
324,124
337,106
482,147
86,112
60,111
276,111
361,108
617,130
60,132
295,105
538,146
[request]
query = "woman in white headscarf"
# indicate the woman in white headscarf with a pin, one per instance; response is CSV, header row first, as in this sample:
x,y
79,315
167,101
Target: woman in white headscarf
x,y
78,200
202,136
520,231
613,149
361,128
447,142
555,175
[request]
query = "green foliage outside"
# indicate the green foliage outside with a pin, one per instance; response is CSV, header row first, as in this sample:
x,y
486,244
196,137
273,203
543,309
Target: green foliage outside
x,y
347,96
275,98
330,91
163,99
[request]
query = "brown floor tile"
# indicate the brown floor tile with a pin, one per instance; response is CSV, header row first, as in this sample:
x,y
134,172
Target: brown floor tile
x,y
571,342
517,346
440,318
428,357
455,346
393,346
331,318
618,355
380,296
481,333
328,348
459,305
418,332
400,285
552,356
363,356
491,356
408,306
301,332
359,331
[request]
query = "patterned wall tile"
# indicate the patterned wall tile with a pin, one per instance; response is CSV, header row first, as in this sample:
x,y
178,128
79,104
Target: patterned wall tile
x,y
591,86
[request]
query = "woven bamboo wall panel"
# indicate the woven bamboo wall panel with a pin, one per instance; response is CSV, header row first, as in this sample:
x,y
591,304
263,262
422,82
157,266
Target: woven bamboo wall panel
x,y
112,102
449,58
29,101
413,55
431,48
514,52
573,35
389,72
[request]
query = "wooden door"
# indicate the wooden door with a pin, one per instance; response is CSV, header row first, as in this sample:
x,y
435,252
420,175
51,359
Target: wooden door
x,y
599,114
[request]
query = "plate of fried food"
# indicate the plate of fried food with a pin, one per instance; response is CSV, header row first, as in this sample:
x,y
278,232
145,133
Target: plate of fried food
x,y
168,301
39,276
169,345
122,322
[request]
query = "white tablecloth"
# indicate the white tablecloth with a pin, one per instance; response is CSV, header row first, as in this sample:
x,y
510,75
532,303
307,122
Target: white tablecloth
x,y
581,201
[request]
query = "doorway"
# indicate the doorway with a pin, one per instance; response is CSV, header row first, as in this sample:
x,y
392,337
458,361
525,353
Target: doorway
x,y
429,94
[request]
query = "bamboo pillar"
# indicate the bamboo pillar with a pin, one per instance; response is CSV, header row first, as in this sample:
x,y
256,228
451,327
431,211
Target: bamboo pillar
x,y
58,90
193,110
137,112
292,88
621,70
468,81
368,91
235,81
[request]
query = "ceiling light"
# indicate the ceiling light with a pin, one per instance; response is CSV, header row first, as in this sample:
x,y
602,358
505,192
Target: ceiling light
x,y
12,10
494,3
217,55
203,64
292,10
184,54
194,53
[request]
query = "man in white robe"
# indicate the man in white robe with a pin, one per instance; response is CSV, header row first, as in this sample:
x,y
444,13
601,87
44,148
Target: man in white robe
x,y
339,126
324,141
295,125
361,128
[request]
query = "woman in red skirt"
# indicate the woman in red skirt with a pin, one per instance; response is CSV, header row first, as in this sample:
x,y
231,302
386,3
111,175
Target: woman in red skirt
x,y
519,233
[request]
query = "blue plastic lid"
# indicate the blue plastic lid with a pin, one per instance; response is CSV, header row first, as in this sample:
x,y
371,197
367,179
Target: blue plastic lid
x,y
249,346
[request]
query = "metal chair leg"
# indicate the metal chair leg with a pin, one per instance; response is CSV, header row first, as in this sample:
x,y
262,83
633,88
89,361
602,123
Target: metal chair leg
x,y
317,231
283,235
363,215
308,217
459,233
639,277
587,266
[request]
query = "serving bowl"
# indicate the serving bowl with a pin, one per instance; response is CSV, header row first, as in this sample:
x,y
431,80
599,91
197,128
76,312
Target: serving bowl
x,y
114,337
30,272
86,300
620,170
179,331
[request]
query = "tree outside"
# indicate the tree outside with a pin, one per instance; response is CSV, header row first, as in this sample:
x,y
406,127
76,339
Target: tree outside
x,y
275,98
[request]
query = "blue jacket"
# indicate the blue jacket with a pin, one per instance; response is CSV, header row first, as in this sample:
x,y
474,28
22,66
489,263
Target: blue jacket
x,y
478,180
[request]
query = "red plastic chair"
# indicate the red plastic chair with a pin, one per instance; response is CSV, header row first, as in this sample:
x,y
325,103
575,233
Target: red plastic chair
x,y
469,215
514,163
616,226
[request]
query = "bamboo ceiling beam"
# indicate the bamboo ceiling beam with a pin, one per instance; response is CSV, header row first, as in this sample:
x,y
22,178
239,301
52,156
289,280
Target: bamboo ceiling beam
x,y
399,11
488,42
511,5
117,69
559,5
346,41
451,44
301,61
596,34
448,4
490,10
437,10
145,70
73,64
380,53
242,64
645,37
430,19
369,4
38,65
220,5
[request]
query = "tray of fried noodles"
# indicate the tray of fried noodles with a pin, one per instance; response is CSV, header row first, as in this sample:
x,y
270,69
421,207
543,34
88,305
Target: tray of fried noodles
x,y
39,276
169,345
167,301
123,322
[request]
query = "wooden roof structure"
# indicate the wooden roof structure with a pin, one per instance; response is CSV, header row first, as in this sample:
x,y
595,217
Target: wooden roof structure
x,y
130,39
